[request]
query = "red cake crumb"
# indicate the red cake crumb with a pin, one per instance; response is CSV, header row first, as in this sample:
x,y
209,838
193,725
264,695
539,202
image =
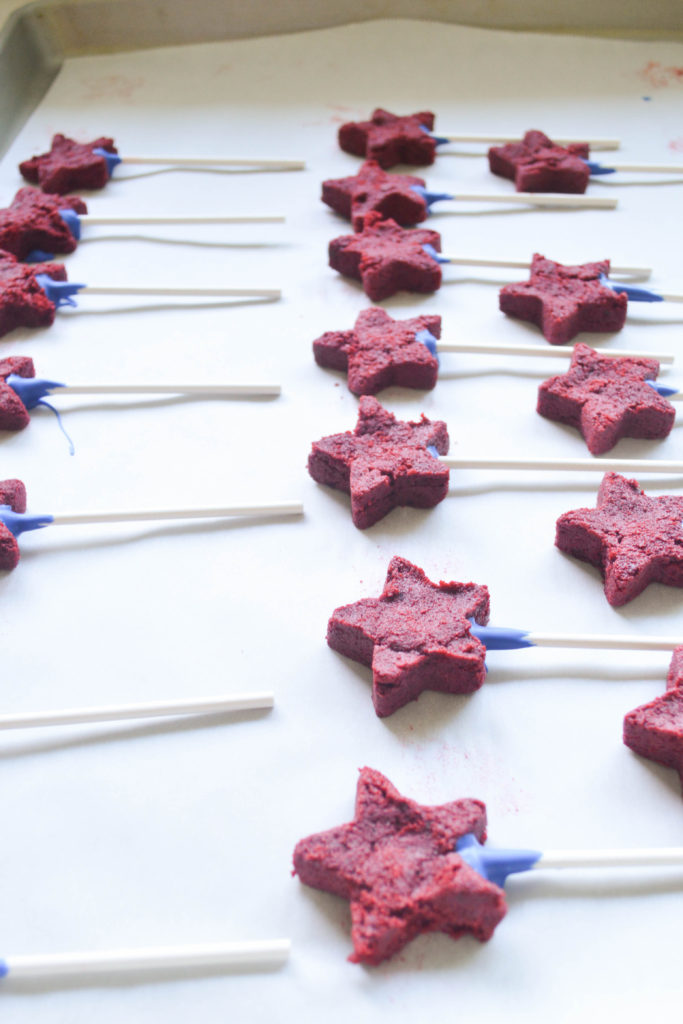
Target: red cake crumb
x,y
13,413
415,636
564,300
387,259
537,164
396,864
33,221
606,399
390,139
383,463
390,195
12,493
23,303
655,730
69,166
633,539
380,352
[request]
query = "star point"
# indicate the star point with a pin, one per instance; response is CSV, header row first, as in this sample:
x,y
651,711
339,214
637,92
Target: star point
x,y
387,258
383,463
565,300
607,398
415,636
396,864
632,538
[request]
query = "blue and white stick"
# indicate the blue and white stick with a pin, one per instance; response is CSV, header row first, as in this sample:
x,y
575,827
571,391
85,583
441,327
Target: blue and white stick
x,y
635,294
75,222
556,199
598,168
61,293
505,638
436,346
502,139
183,162
266,954
32,390
476,261
496,864
568,465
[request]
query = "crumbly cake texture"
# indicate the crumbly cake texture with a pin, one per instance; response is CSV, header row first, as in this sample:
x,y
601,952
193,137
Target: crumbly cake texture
x,y
396,864
633,539
12,493
391,139
69,166
655,730
564,300
383,463
607,399
13,413
380,352
391,195
33,221
415,636
537,164
23,303
387,258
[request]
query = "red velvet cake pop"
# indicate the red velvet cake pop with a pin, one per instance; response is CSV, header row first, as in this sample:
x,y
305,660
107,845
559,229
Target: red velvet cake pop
x,y
537,164
69,166
390,139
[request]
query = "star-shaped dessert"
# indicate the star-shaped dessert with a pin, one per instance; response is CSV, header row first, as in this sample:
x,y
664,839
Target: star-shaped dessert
x,y
69,166
390,139
415,636
33,221
537,164
13,413
396,864
563,301
391,195
607,398
383,463
633,539
387,259
12,493
23,303
655,730
380,352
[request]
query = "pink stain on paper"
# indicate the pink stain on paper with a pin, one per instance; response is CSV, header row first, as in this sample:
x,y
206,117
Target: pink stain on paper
x,y
677,144
120,87
660,77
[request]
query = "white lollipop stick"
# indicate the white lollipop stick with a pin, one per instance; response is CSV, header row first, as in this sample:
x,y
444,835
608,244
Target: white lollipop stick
x,y
287,508
121,712
558,199
644,857
165,389
550,352
99,221
525,264
602,642
648,168
265,293
214,161
500,139
229,954
571,465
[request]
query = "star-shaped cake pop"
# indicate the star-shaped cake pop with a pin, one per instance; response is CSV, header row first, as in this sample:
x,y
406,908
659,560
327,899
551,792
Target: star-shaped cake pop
x,y
380,352
383,463
387,258
33,221
396,864
633,539
13,413
537,164
23,303
564,300
391,195
69,166
390,139
655,730
12,493
607,398
415,636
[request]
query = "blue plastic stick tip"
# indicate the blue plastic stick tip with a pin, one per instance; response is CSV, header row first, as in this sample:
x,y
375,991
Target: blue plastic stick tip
x,y
495,864
634,293
501,638
662,389
38,256
4,969
113,159
20,522
31,389
428,339
59,292
72,221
